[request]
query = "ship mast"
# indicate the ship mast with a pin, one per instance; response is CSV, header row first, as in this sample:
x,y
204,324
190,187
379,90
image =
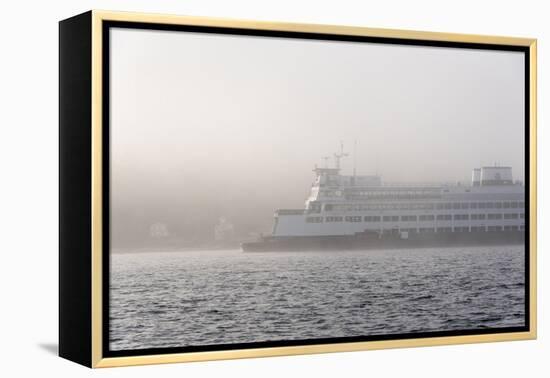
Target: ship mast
x,y
354,159
339,155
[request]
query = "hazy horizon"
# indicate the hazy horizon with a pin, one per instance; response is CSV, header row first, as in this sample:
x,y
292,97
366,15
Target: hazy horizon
x,y
206,125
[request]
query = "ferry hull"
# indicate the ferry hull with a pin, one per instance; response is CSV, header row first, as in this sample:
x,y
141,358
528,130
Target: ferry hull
x,y
374,241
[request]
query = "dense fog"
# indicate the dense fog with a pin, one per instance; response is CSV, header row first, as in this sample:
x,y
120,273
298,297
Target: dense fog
x,y
210,126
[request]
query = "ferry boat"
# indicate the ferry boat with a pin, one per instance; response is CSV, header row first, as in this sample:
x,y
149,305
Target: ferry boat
x,y
361,212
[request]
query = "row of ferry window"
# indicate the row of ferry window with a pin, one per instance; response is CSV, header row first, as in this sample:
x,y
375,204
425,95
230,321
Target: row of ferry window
x,y
428,206
414,218
383,194
458,229
462,229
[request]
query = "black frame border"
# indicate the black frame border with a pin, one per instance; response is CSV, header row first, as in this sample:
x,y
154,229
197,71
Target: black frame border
x,y
75,182
107,25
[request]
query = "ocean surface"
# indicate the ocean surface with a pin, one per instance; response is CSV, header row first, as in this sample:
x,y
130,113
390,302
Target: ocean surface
x,y
177,299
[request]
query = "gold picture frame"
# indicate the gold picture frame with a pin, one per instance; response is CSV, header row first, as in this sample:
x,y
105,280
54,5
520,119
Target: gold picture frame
x,y
82,255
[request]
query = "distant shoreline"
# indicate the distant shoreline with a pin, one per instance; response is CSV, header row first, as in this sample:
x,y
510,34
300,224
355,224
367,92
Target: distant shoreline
x,y
174,249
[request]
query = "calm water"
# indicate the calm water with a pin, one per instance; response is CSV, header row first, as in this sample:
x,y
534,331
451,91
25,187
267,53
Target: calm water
x,y
223,297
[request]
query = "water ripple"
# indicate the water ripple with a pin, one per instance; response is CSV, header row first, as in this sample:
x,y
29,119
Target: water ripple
x,y
224,297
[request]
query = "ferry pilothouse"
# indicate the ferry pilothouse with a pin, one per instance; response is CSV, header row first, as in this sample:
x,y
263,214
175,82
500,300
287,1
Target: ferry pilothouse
x,y
361,212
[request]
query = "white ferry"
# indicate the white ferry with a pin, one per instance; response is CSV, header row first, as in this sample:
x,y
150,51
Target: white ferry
x,y
361,212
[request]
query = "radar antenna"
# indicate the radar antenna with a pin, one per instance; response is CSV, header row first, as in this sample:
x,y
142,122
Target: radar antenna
x,y
325,158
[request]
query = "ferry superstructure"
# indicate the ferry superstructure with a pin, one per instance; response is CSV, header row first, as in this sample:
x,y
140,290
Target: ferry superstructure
x,y
350,211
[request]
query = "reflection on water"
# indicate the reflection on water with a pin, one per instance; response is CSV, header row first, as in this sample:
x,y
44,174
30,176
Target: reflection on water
x,y
221,297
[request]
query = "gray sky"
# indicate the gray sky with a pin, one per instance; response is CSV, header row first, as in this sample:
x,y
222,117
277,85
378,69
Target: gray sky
x,y
234,124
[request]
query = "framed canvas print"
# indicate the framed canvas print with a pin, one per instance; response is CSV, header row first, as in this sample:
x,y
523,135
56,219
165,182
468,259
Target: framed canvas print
x,y
235,189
